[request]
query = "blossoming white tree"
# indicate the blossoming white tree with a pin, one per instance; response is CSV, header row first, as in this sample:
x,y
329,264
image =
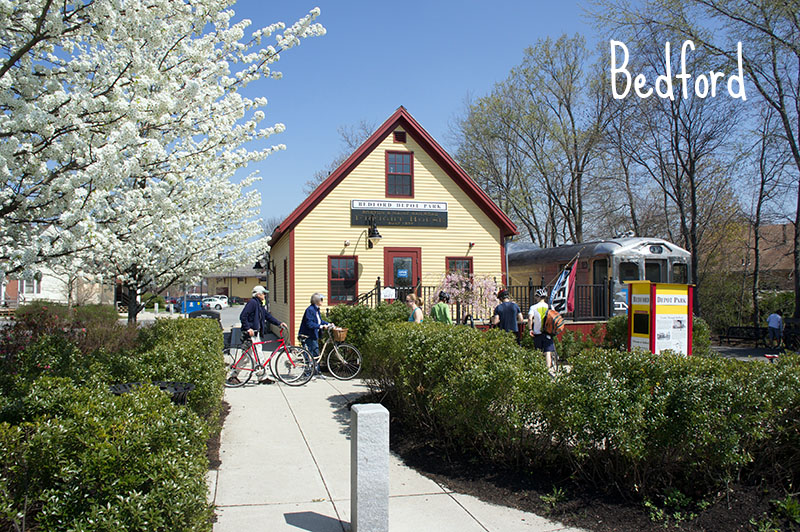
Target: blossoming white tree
x,y
122,125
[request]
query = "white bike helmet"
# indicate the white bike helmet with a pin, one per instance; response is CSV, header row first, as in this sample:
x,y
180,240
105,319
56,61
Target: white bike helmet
x,y
258,289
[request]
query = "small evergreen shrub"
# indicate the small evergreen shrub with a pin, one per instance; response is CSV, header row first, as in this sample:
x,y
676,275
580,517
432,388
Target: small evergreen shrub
x,y
360,319
83,459
617,335
90,327
185,350
616,332
774,301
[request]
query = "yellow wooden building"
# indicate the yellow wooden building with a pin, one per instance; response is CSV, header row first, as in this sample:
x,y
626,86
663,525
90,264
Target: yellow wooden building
x,y
400,184
238,282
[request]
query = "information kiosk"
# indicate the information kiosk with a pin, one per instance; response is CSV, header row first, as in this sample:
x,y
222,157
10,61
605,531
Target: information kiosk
x,y
660,317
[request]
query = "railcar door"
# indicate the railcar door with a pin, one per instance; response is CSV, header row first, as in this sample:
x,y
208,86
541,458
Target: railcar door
x,y
599,287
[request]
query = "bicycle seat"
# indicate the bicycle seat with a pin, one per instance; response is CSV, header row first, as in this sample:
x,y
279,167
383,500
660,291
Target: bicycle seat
x,y
302,337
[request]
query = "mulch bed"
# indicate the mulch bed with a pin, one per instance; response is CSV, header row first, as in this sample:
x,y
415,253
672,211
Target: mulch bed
x,y
742,508
213,443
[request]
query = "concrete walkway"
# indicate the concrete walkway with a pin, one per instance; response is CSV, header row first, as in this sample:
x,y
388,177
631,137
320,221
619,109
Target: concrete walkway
x,y
285,456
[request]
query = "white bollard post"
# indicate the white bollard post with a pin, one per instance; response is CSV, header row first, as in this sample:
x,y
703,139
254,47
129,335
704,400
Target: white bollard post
x,y
155,308
369,468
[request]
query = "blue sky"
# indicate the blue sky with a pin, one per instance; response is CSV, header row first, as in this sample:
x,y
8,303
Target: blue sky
x,y
428,56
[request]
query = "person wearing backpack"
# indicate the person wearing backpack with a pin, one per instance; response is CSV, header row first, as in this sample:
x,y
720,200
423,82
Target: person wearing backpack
x,y
536,319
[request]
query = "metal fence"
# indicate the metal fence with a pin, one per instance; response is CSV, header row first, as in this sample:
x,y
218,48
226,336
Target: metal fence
x,y
592,302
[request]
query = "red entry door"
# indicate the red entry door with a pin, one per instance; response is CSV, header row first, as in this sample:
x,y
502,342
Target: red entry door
x,y
401,268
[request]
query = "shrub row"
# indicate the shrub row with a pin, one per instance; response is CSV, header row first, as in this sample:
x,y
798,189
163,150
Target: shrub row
x,y
76,457
637,423
360,319
83,459
617,335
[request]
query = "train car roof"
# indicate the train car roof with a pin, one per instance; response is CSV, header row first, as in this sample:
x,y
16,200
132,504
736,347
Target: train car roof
x,y
611,246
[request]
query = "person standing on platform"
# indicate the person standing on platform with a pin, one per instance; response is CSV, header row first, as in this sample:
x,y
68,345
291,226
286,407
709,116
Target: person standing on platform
x,y
775,328
541,341
416,312
441,311
507,314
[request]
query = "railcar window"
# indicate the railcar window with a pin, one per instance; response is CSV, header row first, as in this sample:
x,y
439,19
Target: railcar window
x,y
652,271
628,271
679,273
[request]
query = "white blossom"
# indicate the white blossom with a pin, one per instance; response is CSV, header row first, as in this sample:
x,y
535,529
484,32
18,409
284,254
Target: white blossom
x,y
121,128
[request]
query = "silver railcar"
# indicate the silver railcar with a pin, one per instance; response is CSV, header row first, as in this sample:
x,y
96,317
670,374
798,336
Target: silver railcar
x,y
604,265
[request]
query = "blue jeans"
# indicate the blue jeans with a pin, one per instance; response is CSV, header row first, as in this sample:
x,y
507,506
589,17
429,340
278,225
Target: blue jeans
x,y
312,345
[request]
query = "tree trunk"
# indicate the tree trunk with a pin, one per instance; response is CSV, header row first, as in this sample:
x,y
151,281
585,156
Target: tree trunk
x,y
756,266
796,254
133,305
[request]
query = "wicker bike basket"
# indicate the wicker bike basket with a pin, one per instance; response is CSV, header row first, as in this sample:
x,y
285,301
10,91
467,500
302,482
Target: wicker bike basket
x,y
339,335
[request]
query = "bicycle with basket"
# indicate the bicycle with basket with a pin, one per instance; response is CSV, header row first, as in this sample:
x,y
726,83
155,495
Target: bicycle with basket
x,y
343,360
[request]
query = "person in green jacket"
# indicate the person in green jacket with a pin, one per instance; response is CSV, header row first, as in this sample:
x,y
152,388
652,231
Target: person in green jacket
x,y
441,311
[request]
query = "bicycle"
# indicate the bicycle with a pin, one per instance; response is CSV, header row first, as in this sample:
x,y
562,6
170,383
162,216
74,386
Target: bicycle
x,y
343,360
290,364
555,360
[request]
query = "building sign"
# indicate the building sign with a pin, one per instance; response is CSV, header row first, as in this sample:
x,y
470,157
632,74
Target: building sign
x,y
399,213
388,293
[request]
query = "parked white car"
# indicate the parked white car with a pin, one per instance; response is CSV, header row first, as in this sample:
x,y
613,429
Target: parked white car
x,y
215,302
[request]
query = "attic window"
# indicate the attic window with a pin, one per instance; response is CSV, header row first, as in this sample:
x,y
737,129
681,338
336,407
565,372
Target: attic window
x,y
400,137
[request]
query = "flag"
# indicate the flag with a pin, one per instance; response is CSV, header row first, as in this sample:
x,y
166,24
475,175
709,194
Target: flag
x,y
562,297
558,296
571,289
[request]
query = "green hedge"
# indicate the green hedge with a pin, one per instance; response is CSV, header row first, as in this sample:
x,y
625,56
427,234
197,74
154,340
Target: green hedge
x,y
617,335
360,319
637,423
75,457
186,350
83,459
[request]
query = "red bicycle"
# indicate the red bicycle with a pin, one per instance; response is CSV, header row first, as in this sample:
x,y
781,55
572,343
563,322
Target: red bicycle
x,y
290,364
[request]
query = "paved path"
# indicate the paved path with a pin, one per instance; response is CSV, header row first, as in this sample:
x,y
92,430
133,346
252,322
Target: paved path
x,y
285,465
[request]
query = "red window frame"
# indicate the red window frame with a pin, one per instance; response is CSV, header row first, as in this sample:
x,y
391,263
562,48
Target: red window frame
x,y
331,300
410,173
447,264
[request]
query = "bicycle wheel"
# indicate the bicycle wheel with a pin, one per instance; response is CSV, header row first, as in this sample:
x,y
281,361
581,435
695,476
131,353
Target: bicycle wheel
x,y
239,367
294,366
344,361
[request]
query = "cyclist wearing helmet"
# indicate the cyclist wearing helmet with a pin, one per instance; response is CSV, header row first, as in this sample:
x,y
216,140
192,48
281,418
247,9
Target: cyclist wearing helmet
x,y
254,318
441,311
536,314
507,314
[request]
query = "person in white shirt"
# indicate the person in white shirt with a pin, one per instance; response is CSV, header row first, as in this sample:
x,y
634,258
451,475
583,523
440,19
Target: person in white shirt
x,y
775,328
536,314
